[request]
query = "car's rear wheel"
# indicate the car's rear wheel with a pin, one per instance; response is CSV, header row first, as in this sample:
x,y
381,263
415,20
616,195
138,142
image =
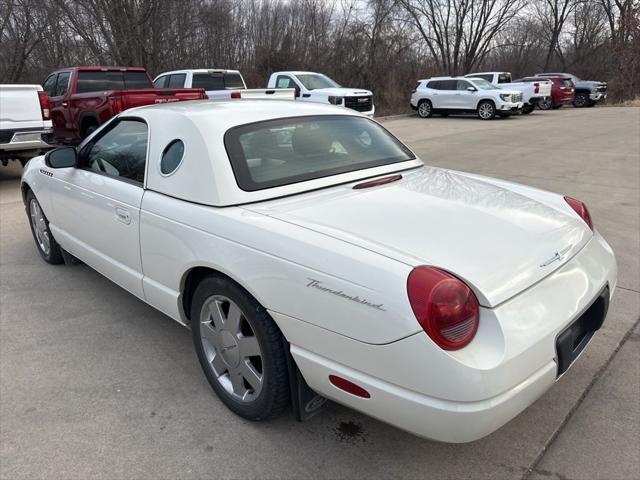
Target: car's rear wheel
x,y
425,109
527,109
486,110
240,349
581,100
546,104
47,246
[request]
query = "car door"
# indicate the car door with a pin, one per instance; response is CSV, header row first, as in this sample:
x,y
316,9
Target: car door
x,y
57,86
97,205
465,99
285,81
447,94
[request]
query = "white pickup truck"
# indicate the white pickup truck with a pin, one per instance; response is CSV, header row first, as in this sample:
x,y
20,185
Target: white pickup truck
x,y
318,88
219,84
25,122
532,93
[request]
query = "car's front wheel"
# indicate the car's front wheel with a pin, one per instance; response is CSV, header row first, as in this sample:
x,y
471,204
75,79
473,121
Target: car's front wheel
x,y
47,246
240,349
486,110
581,100
425,109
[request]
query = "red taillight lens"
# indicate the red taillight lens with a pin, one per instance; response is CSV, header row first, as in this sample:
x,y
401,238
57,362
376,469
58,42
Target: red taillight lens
x,y
350,387
45,106
536,88
446,308
236,95
581,209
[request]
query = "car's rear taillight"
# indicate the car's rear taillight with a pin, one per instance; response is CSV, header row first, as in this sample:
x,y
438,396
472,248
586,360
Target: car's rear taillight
x,y
581,209
45,106
236,95
445,307
536,88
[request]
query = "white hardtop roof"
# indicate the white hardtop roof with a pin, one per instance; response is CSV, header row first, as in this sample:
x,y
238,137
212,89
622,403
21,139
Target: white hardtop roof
x,y
205,175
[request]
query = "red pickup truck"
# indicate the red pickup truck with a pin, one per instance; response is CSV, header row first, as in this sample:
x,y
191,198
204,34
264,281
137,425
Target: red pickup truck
x,y
83,98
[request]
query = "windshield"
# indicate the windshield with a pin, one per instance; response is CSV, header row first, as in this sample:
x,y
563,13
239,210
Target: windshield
x,y
280,152
482,84
311,81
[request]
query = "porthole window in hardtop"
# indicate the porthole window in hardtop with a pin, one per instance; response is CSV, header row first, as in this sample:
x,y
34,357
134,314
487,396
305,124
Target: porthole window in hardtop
x,y
172,157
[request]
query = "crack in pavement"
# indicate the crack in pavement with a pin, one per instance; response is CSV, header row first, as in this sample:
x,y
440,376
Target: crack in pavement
x,y
533,468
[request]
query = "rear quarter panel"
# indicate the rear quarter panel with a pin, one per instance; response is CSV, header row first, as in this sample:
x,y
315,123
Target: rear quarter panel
x,y
288,269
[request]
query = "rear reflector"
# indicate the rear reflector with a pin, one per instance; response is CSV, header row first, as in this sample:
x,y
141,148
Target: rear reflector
x,y
45,106
349,387
236,95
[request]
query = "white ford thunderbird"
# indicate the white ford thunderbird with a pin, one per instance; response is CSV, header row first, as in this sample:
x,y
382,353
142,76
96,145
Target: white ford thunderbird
x,y
314,256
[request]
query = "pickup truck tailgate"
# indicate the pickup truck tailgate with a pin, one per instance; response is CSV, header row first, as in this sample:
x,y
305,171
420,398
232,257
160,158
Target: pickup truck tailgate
x,y
149,96
20,107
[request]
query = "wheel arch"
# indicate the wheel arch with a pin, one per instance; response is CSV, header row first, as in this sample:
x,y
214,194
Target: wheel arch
x,y
193,276
483,99
25,188
86,120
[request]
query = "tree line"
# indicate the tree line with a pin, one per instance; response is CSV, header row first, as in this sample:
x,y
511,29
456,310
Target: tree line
x,y
382,45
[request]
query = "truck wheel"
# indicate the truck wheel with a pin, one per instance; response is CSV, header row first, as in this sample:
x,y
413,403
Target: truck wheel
x,y
240,349
47,246
425,109
581,100
89,130
527,109
486,110
545,104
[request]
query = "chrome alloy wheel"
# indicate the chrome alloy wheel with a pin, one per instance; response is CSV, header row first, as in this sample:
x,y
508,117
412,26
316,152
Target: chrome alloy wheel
x,y
485,111
231,348
424,109
39,225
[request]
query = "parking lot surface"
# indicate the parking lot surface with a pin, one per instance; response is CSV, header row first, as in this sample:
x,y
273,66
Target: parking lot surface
x,y
96,384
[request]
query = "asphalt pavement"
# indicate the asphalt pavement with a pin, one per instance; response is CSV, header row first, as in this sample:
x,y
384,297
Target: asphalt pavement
x,y
96,384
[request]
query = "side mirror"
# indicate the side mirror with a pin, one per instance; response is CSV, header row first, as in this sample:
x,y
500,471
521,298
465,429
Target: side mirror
x,y
63,157
472,89
297,92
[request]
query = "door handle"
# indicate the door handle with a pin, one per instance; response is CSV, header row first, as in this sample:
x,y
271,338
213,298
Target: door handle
x,y
123,215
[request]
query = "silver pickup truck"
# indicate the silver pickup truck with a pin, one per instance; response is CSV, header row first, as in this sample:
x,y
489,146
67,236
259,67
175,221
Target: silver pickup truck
x,y
25,122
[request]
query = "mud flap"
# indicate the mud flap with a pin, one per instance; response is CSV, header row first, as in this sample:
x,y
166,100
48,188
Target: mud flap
x,y
304,401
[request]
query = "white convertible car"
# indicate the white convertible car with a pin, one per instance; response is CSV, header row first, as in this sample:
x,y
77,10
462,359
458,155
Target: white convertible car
x,y
311,251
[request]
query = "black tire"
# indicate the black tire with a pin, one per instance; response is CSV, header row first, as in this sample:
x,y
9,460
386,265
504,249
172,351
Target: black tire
x,y
527,109
274,394
581,100
54,253
486,110
546,104
425,109
89,130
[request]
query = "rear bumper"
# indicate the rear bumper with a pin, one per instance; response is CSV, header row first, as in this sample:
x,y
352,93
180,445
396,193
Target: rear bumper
x,y
464,395
27,140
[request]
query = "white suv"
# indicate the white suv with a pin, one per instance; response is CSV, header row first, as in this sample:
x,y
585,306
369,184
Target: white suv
x,y
445,95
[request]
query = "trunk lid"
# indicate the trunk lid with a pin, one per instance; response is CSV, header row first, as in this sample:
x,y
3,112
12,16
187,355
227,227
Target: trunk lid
x,y
499,241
